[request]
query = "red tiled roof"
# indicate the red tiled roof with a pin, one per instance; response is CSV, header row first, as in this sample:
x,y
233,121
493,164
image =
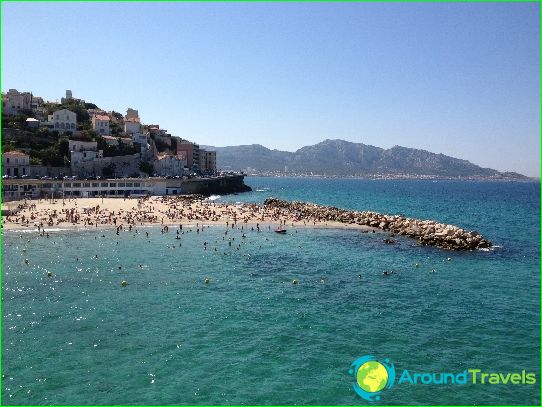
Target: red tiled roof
x,y
20,153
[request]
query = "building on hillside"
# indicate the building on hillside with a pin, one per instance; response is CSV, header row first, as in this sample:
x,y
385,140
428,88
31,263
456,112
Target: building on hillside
x,y
141,140
92,112
114,141
111,141
154,129
14,102
132,126
37,107
64,120
70,99
168,165
207,161
192,153
100,124
15,163
82,152
132,114
32,123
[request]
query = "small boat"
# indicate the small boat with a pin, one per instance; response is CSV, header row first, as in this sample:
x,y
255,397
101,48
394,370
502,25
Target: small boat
x,y
280,230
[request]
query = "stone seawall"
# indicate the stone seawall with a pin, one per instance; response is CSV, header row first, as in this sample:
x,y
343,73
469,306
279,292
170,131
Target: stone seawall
x,y
427,232
221,185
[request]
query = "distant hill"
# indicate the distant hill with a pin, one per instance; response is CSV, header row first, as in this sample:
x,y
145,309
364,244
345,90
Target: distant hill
x,y
343,158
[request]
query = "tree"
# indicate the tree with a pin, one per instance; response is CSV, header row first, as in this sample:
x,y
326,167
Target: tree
x,y
109,171
146,167
117,115
116,130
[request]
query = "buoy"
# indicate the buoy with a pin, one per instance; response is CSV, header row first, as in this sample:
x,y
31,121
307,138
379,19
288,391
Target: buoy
x,y
294,281
449,259
417,264
206,281
124,283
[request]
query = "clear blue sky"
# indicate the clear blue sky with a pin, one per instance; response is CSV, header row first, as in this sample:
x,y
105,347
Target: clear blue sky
x,y
453,78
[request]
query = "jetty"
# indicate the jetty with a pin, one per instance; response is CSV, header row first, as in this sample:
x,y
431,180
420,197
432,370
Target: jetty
x,y
426,232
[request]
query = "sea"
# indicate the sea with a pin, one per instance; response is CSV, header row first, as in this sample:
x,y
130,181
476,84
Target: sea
x,y
251,336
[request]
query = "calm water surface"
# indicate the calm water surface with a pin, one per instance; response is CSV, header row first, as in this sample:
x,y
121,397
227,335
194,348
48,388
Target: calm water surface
x,y
250,336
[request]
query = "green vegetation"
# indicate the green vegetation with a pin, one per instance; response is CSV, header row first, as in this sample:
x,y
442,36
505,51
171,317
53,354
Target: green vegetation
x,y
15,122
80,110
112,151
50,148
146,168
109,171
116,129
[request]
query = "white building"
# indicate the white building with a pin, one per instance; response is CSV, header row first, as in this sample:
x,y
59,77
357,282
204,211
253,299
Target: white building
x,y
114,141
64,120
100,124
14,101
140,138
15,163
82,152
132,126
32,123
111,141
76,145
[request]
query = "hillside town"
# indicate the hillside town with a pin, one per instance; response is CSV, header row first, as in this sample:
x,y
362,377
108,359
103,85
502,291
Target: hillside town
x,y
74,140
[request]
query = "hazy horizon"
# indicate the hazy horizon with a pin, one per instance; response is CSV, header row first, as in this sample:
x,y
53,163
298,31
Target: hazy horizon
x,y
461,79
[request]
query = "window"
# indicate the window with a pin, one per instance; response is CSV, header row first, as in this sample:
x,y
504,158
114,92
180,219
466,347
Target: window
x,y
86,185
94,185
7,160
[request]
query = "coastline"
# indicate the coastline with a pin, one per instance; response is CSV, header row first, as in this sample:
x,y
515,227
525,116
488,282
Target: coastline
x,y
180,210
194,214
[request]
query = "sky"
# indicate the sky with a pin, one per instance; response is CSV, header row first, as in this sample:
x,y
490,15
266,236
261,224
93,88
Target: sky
x,y
453,78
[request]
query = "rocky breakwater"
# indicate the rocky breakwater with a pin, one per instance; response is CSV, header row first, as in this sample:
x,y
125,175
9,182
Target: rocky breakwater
x,y
426,232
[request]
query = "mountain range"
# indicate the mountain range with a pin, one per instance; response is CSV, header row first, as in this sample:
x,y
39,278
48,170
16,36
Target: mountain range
x,y
344,158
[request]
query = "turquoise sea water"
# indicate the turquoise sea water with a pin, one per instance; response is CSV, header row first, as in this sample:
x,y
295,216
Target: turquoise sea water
x,y
250,336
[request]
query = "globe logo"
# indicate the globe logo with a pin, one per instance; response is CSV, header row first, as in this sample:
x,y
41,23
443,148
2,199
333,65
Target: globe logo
x,y
372,377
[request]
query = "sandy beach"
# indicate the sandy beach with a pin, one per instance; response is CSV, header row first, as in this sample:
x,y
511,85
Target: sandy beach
x,y
122,213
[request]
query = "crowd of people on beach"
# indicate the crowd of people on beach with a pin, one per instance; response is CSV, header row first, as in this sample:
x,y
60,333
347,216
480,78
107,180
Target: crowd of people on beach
x,y
144,211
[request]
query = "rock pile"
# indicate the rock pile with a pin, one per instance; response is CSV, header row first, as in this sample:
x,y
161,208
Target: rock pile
x,y
427,232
